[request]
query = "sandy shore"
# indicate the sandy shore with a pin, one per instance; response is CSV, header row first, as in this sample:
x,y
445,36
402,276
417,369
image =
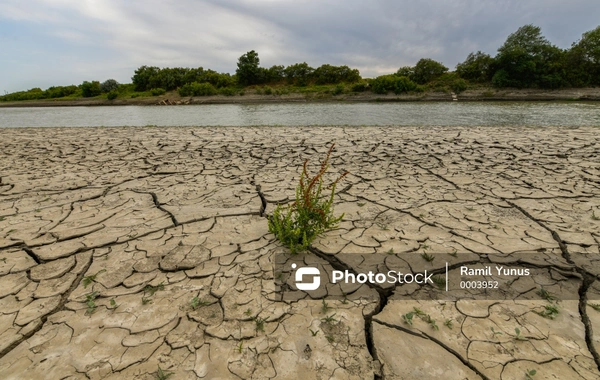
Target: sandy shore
x,y
127,251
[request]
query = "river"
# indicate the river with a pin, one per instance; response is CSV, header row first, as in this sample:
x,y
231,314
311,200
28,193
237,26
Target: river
x,y
307,114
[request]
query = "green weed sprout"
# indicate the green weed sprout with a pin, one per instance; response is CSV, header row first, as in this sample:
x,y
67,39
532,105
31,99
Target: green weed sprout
x,y
298,224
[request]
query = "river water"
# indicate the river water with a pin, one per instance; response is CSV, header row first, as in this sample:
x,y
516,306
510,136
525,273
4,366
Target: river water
x,y
306,114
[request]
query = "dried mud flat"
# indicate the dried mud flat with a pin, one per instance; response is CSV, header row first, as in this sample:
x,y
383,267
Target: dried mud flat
x,y
135,253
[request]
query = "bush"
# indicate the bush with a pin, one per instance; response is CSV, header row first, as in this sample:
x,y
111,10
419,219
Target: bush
x,y
112,95
458,86
268,91
158,91
360,87
298,224
90,89
197,89
109,85
227,91
338,89
426,70
391,82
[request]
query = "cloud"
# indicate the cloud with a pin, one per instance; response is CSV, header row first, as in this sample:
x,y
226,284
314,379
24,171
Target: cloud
x,y
53,42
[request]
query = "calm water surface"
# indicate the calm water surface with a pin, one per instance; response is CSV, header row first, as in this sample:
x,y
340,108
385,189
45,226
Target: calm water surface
x,y
400,114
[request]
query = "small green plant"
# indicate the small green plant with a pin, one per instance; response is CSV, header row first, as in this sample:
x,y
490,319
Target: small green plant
x,y
448,323
248,312
418,312
90,301
314,333
595,306
2,218
329,338
454,253
390,251
427,257
546,295
439,281
260,323
146,300
298,224
197,302
113,304
360,204
431,322
240,347
550,311
324,307
162,375
3,259
408,318
518,335
329,318
87,280
530,373
495,333
594,217
150,290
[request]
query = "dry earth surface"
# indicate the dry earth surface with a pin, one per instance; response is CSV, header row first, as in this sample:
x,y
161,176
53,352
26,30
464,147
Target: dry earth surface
x,y
144,253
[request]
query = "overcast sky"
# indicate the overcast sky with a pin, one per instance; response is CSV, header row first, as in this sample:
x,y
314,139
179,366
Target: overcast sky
x,y
62,42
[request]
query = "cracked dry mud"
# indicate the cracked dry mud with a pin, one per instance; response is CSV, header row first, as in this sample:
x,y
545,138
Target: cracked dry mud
x,y
129,251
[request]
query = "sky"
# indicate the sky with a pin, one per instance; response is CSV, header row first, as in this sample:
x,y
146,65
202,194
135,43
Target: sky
x,y
61,42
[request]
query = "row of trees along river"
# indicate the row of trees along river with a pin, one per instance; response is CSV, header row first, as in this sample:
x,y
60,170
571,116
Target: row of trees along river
x,y
525,60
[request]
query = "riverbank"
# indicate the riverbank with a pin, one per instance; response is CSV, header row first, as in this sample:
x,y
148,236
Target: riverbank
x,y
130,252
252,97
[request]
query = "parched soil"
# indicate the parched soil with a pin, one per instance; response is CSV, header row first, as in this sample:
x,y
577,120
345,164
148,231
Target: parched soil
x,y
135,253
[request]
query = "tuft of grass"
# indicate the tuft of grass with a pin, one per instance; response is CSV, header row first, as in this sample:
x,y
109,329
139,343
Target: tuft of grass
x,y
431,322
329,318
298,224
260,323
162,375
595,306
314,333
325,307
197,302
150,290
439,281
87,280
454,253
329,338
550,311
427,257
546,295
448,323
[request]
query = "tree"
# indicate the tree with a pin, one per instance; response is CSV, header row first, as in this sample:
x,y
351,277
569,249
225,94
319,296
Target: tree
x,y
527,59
299,74
426,70
248,72
477,67
90,89
142,77
109,85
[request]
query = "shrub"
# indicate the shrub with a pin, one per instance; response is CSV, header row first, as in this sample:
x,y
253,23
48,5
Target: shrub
x,y
360,87
90,89
268,91
338,89
391,82
112,95
158,91
227,91
298,224
109,85
459,86
197,89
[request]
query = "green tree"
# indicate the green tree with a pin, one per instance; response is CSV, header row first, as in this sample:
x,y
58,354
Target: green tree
x,y
527,59
248,71
109,85
141,77
477,67
90,89
426,70
299,74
